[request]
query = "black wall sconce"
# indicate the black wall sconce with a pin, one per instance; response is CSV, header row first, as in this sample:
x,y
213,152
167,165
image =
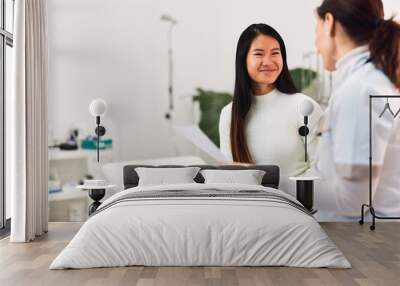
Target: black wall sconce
x,y
98,108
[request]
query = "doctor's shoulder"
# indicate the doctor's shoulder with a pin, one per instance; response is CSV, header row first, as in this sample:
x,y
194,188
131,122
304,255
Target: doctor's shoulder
x,y
369,80
377,82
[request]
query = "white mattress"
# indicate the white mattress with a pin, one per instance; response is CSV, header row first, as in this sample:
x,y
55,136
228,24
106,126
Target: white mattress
x,y
200,231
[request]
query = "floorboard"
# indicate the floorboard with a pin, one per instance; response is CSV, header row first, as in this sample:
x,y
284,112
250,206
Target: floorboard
x,y
374,255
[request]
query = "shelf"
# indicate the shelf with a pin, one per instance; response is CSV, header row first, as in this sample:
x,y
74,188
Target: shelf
x,y
57,154
68,193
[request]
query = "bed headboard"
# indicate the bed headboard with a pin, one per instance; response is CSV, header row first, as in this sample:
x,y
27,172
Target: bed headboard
x,y
270,179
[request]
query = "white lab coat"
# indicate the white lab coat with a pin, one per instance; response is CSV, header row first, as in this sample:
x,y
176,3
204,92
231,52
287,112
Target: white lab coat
x,y
345,140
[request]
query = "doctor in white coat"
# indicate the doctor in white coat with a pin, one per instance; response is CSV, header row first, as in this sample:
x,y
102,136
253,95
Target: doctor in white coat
x,y
363,48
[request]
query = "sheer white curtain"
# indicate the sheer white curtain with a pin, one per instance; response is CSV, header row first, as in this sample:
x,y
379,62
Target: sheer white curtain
x,y
28,123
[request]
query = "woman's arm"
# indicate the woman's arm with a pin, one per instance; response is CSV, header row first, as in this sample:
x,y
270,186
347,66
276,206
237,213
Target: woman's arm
x,y
224,131
224,137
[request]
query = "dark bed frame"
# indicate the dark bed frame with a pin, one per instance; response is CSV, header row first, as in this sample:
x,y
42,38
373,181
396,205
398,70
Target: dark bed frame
x,y
270,179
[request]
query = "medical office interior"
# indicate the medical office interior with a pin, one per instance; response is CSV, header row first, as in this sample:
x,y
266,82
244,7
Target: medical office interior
x,y
97,95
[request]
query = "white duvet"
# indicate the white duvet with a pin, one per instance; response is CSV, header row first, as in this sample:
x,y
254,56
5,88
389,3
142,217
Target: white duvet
x,y
200,231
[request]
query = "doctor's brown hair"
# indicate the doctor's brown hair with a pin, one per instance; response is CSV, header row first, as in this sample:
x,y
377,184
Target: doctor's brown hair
x,y
363,22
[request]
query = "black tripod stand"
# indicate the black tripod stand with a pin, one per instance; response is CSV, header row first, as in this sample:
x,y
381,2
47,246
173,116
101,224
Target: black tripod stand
x,y
370,205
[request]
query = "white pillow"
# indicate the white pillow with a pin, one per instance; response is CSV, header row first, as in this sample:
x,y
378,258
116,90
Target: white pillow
x,y
163,176
248,177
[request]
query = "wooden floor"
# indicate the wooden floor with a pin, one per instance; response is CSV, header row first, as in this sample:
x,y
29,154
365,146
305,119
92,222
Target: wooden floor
x,y
375,257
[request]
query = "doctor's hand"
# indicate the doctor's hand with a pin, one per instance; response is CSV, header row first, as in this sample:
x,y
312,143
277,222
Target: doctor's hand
x,y
321,129
356,172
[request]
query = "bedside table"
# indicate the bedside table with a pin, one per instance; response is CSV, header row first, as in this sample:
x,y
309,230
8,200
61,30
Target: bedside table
x,y
305,191
96,194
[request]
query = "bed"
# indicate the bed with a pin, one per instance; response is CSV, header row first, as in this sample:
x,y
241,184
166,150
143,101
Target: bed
x,y
198,224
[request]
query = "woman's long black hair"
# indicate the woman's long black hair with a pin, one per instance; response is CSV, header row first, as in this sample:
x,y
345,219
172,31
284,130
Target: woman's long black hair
x,y
242,95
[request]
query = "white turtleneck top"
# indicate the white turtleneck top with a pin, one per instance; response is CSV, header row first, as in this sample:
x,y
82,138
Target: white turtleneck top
x,y
272,131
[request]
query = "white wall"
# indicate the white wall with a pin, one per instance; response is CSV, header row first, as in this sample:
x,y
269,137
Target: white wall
x,y
117,50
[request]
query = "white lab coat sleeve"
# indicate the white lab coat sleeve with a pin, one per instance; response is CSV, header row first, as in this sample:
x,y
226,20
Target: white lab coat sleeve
x,y
351,129
224,131
315,121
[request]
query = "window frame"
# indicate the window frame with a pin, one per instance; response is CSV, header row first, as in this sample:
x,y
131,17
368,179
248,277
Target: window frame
x,y
6,39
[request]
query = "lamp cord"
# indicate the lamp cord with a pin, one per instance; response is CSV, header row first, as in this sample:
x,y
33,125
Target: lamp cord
x,y
98,143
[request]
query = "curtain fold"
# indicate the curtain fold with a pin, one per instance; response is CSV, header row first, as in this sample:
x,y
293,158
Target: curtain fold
x,y
28,123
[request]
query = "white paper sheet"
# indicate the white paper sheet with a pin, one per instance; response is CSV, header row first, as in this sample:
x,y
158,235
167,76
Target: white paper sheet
x,y
196,136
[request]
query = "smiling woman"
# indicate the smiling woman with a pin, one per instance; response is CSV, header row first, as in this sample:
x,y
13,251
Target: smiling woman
x,y
261,124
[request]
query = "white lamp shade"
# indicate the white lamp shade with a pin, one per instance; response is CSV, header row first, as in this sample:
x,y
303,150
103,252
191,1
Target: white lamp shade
x,y
306,107
98,107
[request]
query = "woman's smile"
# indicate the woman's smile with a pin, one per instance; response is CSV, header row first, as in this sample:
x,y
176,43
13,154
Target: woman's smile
x,y
268,70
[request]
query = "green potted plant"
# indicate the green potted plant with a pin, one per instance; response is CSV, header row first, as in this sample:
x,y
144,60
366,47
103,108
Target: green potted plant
x,y
211,104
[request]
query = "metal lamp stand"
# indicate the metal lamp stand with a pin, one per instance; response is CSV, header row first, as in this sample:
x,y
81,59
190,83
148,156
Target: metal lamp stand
x,y
100,131
305,185
168,115
370,204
